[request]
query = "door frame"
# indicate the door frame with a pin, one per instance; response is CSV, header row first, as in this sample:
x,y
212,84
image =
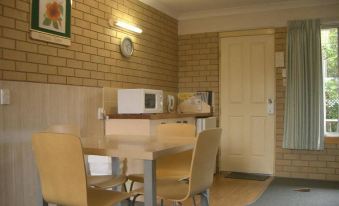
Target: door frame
x,y
250,32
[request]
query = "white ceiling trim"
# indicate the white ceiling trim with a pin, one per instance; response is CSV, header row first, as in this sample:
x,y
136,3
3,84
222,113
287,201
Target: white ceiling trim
x,y
254,8
186,15
161,7
266,19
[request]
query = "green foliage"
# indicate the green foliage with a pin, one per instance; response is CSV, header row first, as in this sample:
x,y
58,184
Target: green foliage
x,y
330,62
47,22
330,53
55,25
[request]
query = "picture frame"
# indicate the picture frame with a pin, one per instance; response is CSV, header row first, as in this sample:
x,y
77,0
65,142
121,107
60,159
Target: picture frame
x,y
51,21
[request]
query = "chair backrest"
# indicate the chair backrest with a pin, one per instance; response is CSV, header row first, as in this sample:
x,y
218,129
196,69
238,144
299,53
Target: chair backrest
x,y
177,165
204,160
61,168
176,129
65,129
69,129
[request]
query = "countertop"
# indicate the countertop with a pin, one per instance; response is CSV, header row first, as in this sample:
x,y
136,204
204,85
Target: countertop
x,y
157,116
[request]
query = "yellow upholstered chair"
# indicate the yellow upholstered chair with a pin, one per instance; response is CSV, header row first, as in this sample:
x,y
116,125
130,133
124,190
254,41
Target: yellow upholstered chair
x,y
61,168
101,181
175,166
201,171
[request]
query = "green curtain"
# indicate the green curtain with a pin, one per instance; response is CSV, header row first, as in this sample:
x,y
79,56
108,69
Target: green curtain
x,y
304,111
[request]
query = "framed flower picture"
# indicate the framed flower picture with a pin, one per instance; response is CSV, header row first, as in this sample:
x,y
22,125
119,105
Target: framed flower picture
x,y
51,21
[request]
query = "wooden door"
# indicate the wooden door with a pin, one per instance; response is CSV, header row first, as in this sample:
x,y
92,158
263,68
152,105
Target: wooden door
x,y
247,86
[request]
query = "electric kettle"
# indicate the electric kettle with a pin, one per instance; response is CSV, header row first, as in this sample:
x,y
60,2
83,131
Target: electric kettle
x,y
170,103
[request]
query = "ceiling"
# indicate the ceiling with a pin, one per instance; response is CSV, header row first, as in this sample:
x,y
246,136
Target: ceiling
x,y
191,9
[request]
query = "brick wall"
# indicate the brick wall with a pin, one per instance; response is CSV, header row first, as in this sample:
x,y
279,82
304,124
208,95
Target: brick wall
x,y
94,58
199,64
297,163
199,70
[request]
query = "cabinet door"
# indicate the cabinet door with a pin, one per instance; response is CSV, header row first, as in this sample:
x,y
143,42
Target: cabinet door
x,y
127,126
184,120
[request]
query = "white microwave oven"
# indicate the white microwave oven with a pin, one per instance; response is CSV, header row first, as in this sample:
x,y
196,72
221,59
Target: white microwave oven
x,y
138,101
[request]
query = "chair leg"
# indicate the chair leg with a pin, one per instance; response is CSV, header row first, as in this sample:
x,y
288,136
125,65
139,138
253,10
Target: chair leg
x,y
131,186
177,203
124,188
134,199
44,203
193,198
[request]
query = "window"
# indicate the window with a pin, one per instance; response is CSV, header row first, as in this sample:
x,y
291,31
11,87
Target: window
x,y
329,44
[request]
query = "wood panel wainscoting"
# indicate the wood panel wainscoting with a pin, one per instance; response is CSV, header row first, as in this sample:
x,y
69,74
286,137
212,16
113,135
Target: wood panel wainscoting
x,y
33,108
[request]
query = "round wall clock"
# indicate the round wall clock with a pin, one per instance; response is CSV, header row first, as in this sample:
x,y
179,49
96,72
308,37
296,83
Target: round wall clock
x,y
126,47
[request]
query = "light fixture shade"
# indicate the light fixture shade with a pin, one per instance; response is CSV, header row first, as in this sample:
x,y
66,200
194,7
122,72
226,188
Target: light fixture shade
x,y
125,26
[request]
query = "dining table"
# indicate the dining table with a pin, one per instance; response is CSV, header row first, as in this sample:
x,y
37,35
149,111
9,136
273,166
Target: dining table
x,y
146,148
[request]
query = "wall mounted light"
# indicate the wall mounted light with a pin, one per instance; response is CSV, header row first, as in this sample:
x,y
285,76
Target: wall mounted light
x,y
125,25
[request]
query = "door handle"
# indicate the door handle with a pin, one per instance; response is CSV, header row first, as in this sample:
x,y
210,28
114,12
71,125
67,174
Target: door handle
x,y
270,106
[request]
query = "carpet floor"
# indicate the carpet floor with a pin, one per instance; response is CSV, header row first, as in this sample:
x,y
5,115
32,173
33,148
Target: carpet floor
x,y
282,192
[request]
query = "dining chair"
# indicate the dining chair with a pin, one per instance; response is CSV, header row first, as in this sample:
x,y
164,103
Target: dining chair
x,y
98,181
201,172
60,162
175,166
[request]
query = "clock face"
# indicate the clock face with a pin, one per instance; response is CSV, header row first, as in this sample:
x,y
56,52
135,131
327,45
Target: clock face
x,y
126,47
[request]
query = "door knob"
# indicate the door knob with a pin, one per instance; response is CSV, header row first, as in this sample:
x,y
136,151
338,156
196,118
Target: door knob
x,y
270,106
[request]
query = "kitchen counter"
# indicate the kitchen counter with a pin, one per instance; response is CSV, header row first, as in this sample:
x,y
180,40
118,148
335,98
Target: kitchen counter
x,y
157,116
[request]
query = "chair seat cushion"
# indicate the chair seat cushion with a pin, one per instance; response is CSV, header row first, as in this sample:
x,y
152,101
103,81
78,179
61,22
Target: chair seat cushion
x,y
96,197
105,181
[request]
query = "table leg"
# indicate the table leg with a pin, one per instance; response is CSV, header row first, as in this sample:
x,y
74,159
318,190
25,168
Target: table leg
x,y
115,166
150,183
116,171
44,203
204,198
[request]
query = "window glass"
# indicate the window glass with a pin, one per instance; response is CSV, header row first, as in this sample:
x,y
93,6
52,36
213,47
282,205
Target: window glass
x,y
329,44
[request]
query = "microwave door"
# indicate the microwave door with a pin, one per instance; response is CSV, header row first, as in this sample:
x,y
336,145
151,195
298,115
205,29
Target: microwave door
x,y
150,101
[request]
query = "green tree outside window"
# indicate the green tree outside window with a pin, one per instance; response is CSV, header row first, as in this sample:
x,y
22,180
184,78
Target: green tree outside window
x,y
329,38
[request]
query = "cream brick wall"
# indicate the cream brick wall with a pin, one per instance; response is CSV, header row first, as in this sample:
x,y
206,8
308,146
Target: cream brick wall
x,y
199,64
199,70
297,163
94,58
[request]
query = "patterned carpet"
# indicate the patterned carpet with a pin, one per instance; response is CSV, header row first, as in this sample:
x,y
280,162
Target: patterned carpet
x,y
283,192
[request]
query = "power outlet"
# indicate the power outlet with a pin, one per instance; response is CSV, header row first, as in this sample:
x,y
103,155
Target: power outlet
x,y
101,113
4,96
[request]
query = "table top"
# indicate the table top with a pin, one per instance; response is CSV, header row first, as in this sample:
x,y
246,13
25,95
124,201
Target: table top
x,y
136,146
159,115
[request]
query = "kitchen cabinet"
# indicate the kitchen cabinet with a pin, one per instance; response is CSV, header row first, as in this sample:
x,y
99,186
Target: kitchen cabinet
x,y
140,126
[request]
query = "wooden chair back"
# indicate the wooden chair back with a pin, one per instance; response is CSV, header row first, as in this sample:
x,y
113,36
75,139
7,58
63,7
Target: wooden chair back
x,y
73,130
176,129
177,165
65,129
61,168
204,160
